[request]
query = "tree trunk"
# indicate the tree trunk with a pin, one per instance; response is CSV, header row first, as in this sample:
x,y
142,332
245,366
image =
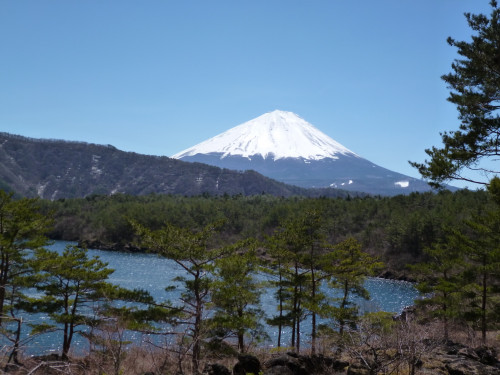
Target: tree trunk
x,y
483,307
65,348
15,350
445,322
280,323
241,343
294,316
298,329
342,306
313,319
197,325
4,271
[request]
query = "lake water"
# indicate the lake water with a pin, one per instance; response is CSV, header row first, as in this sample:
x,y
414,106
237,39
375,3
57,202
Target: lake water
x,y
154,273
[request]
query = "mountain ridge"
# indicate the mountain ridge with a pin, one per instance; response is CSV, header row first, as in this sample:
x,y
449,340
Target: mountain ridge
x,y
57,169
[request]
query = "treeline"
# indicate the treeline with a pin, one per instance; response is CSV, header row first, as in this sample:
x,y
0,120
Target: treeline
x,y
397,229
219,298
303,244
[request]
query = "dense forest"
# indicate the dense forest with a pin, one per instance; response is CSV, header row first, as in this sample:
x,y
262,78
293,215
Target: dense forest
x,y
447,242
396,229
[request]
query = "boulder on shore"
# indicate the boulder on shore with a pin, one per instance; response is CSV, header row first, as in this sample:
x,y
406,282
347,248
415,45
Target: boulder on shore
x,y
247,364
293,364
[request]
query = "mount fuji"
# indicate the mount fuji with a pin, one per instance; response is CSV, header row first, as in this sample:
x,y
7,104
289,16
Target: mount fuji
x,y
285,147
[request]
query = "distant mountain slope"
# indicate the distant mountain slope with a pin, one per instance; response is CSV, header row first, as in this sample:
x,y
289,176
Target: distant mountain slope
x,y
54,169
274,135
283,146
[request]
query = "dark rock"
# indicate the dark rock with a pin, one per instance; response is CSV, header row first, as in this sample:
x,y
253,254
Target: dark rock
x,y
278,361
456,359
303,365
468,353
357,370
468,367
278,370
247,364
215,369
453,347
488,356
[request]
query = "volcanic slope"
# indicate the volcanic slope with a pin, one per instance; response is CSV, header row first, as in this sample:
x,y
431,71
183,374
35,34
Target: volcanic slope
x,y
283,146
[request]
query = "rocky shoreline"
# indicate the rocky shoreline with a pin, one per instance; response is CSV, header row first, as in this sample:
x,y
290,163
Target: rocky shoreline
x,y
98,245
446,359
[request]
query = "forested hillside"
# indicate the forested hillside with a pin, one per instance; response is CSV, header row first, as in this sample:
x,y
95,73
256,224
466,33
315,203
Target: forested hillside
x,y
55,169
396,229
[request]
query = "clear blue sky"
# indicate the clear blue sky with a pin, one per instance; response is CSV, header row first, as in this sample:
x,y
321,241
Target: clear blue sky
x,y
156,77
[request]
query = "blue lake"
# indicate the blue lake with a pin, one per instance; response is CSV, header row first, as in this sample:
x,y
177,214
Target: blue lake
x,y
154,273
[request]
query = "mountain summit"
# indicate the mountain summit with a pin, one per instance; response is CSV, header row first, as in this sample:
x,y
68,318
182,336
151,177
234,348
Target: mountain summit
x,y
274,135
285,147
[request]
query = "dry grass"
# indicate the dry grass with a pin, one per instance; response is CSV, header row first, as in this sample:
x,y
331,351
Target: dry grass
x,y
153,360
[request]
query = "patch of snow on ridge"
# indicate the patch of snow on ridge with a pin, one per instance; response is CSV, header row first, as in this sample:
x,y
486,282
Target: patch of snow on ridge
x,y
275,135
403,184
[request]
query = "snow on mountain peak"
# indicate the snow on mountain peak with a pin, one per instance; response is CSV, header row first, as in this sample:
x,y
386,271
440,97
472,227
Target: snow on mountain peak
x,y
276,135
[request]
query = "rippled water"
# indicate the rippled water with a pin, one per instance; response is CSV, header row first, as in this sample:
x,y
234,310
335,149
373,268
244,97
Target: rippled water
x,y
154,273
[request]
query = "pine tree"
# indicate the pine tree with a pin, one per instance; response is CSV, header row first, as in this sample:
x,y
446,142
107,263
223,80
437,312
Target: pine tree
x,y
482,248
297,248
310,230
278,270
22,230
236,294
192,251
442,279
474,84
349,267
72,283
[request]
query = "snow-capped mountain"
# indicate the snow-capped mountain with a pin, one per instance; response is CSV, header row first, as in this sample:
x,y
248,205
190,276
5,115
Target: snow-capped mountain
x,y
274,135
283,146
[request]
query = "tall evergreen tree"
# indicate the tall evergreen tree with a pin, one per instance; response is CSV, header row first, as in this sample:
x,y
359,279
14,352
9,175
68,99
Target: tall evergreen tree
x,y
349,266
294,239
310,230
474,84
482,249
71,282
194,253
22,230
236,295
278,270
442,279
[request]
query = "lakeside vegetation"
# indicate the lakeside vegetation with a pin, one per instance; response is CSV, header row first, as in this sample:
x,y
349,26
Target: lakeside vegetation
x,y
450,239
395,229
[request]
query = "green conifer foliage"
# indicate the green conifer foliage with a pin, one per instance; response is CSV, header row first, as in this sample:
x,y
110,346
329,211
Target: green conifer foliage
x,y
442,281
475,86
72,283
482,273
22,230
236,295
349,267
193,251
